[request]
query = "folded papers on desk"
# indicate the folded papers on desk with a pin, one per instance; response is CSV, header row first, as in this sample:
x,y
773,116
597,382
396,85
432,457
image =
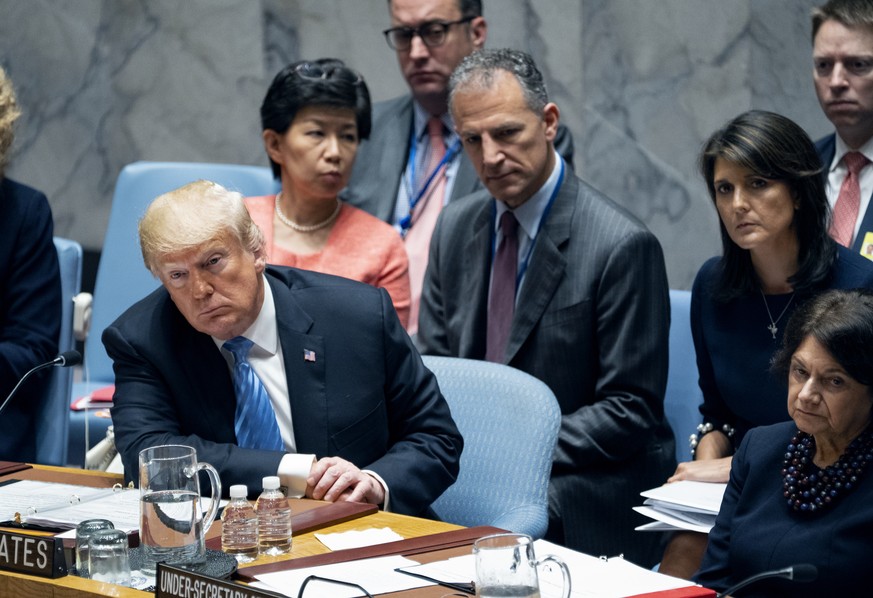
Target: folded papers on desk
x,y
682,505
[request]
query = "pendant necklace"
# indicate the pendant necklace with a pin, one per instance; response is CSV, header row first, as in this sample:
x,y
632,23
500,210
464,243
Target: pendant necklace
x,y
772,326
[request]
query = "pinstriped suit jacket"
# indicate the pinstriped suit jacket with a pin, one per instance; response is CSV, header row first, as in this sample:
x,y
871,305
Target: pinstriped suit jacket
x,y
592,322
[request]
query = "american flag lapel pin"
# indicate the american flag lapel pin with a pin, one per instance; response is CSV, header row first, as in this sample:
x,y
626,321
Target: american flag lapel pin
x,y
309,355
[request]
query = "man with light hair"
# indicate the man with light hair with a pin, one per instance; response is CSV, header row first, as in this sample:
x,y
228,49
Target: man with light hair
x,y
273,371
842,56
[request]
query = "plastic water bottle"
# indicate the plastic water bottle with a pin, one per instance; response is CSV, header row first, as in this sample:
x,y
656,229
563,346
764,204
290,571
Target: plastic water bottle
x,y
239,526
274,519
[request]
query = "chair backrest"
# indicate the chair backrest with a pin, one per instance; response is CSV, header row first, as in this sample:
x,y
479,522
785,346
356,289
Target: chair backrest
x,y
53,422
683,395
122,279
510,422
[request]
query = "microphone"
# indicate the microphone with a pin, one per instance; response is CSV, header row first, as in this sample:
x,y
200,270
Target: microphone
x,y
64,360
803,573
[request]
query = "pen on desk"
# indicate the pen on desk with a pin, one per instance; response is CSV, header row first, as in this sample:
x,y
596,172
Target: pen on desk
x,y
467,588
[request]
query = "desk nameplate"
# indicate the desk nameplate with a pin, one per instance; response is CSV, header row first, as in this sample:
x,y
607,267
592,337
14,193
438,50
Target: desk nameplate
x,y
35,555
173,582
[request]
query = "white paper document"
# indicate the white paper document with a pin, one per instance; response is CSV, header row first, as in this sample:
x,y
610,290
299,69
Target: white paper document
x,y
377,576
358,538
65,505
591,577
684,505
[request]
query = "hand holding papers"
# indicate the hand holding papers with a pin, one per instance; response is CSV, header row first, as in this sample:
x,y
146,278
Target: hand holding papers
x,y
682,505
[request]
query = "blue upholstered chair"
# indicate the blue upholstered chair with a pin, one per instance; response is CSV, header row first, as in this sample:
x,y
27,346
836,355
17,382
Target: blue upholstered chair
x,y
509,421
122,279
683,394
53,421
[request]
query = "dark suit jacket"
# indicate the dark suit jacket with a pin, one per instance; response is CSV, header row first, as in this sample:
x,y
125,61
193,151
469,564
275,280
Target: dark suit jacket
x,y
592,322
756,532
30,312
381,161
367,397
826,147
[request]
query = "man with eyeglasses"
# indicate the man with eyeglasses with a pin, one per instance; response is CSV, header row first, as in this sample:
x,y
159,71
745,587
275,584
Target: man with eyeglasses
x,y
403,174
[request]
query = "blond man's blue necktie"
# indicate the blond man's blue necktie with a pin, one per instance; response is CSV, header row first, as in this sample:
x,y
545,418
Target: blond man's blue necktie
x,y
255,421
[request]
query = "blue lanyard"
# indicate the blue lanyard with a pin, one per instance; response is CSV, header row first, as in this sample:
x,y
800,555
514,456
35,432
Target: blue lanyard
x,y
406,222
526,261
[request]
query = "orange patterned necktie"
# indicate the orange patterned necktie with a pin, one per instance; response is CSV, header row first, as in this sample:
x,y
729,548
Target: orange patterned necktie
x,y
424,219
848,201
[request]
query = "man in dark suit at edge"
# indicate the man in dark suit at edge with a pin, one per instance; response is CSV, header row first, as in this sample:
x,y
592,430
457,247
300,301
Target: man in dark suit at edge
x,y
391,178
842,37
583,304
271,370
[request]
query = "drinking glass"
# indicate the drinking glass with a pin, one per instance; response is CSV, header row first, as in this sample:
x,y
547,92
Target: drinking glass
x,y
84,531
506,566
108,558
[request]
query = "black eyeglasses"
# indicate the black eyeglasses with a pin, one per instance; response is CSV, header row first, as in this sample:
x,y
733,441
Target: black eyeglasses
x,y
328,580
313,70
432,34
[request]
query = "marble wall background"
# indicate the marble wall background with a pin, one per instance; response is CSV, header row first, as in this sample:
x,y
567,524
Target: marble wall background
x,y
640,83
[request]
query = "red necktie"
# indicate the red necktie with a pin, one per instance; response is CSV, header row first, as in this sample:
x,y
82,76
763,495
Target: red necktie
x,y
501,305
848,201
424,219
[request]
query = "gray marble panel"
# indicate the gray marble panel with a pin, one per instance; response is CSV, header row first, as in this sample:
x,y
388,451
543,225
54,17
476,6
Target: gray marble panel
x,y
640,83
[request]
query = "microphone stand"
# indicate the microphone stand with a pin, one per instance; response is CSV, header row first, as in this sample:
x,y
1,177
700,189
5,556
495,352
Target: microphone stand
x,y
65,359
801,573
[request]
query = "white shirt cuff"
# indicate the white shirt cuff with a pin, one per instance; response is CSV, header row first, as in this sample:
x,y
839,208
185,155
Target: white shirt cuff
x,y
382,483
294,468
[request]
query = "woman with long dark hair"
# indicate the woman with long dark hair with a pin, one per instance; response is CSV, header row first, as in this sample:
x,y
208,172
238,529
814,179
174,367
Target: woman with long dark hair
x,y
765,180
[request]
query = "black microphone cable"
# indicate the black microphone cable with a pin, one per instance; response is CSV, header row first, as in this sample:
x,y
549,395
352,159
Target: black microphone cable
x,y
802,573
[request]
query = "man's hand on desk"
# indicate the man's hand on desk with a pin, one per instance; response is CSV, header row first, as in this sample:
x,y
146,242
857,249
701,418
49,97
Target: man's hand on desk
x,y
334,479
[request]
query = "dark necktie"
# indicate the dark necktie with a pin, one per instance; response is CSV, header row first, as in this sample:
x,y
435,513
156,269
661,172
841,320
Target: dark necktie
x,y
849,200
255,421
501,305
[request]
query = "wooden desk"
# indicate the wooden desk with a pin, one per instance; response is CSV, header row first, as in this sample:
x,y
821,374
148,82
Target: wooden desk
x,y
16,585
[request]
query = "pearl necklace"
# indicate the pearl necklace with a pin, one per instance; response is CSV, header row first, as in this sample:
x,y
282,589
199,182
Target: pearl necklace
x,y
304,228
810,489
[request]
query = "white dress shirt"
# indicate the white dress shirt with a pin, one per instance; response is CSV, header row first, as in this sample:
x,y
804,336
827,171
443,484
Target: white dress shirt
x,y
266,360
837,173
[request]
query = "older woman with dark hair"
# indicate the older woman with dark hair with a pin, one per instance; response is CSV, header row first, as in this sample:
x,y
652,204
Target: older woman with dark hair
x,y
313,117
764,178
801,491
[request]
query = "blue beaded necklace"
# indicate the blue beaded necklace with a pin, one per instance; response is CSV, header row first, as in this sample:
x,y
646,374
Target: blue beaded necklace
x,y
809,489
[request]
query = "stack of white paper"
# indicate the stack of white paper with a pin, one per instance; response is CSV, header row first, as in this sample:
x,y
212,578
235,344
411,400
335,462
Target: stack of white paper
x,y
682,505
